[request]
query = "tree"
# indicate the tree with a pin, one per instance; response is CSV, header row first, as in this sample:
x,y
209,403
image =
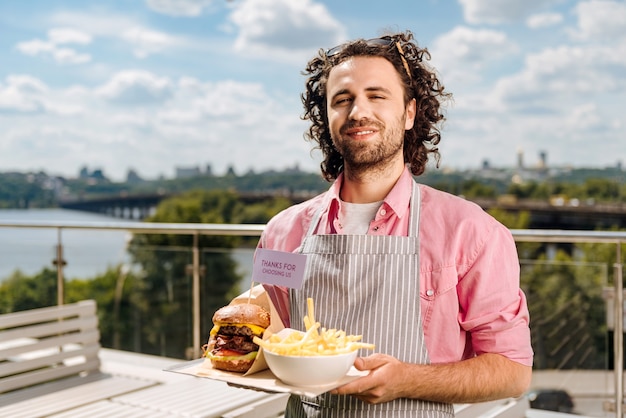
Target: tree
x,y
165,261
20,292
568,328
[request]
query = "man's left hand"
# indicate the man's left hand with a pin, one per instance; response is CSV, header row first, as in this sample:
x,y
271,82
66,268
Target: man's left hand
x,y
382,384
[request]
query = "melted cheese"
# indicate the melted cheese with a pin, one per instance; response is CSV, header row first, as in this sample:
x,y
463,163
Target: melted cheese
x,y
255,328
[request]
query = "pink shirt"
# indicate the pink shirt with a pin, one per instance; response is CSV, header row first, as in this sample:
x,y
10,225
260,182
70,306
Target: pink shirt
x,y
469,276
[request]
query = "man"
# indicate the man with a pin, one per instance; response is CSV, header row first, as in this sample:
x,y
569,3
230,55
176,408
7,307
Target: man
x,y
429,278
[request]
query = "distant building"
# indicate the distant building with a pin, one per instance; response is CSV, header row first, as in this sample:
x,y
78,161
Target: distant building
x,y
186,172
293,170
543,160
92,177
133,177
230,171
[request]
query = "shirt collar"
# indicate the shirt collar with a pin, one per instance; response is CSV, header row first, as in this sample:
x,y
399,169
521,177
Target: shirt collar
x,y
397,200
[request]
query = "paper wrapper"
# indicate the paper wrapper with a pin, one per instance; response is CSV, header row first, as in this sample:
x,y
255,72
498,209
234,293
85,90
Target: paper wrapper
x,y
258,296
263,380
259,377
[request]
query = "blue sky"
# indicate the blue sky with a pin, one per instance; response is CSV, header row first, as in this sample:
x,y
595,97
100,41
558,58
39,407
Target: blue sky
x,y
152,85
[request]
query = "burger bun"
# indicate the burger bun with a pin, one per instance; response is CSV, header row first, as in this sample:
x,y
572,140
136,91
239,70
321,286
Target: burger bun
x,y
239,366
244,313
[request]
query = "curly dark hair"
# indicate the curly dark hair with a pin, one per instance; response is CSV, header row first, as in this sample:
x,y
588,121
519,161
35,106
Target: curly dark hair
x,y
420,82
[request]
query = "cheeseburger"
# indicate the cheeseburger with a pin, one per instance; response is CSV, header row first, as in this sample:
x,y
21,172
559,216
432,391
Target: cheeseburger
x,y
230,344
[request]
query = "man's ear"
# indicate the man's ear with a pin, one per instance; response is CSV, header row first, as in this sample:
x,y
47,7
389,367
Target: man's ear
x,y
410,112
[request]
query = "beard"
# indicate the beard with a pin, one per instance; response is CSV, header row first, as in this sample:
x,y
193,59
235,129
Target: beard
x,y
370,156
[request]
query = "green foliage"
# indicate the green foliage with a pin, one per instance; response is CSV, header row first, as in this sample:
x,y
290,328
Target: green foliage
x,y
146,307
166,262
531,190
20,292
262,212
511,220
118,295
601,189
25,191
596,189
568,326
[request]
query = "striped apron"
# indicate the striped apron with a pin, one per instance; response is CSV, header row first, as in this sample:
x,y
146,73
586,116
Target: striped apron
x,y
366,285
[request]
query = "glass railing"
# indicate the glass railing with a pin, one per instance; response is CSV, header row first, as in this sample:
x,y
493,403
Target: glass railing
x,y
157,285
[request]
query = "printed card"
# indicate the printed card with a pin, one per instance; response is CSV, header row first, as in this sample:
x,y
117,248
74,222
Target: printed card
x,y
279,268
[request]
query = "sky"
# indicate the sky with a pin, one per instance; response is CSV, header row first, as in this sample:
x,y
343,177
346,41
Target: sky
x,y
156,85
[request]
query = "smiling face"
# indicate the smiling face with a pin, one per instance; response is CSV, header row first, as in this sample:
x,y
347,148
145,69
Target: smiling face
x,y
367,115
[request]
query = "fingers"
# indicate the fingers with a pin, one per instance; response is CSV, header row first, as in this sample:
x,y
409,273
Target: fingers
x,y
353,388
378,385
371,362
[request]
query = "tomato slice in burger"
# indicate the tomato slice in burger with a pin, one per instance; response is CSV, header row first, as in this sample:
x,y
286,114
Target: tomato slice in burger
x,y
229,353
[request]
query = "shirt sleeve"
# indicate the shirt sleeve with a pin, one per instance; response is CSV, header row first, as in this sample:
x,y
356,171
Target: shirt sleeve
x,y
492,306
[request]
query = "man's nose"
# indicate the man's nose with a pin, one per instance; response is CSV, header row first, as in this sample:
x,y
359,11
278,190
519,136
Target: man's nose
x,y
360,109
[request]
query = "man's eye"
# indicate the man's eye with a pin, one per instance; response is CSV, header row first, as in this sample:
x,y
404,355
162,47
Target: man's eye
x,y
343,100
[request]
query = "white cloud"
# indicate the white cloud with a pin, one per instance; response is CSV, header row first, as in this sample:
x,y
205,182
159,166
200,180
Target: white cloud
x,y
142,40
285,26
544,20
68,36
563,99
27,95
601,19
189,8
498,11
22,93
35,47
136,87
70,56
585,118
146,42
557,76
52,46
463,53
151,123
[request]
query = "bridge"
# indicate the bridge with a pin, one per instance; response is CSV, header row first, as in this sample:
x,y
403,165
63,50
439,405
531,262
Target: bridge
x,y
135,207
556,214
140,206
543,214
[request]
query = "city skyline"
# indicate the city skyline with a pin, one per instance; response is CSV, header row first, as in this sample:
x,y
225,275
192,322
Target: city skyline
x,y
540,165
158,84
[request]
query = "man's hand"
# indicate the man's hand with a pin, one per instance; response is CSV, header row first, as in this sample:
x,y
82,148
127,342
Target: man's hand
x,y
483,378
381,384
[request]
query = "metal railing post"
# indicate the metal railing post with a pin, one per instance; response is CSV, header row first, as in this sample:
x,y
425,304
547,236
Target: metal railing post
x,y
618,334
195,287
60,262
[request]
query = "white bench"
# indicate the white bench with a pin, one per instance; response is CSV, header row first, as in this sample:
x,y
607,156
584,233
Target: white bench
x,y
49,362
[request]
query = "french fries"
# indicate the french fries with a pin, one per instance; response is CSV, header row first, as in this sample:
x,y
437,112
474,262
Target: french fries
x,y
316,341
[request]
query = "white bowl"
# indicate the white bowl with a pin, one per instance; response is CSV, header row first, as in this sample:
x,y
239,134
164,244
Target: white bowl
x,y
308,371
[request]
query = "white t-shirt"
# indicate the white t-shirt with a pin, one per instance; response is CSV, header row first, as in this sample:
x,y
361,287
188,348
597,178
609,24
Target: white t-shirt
x,y
355,218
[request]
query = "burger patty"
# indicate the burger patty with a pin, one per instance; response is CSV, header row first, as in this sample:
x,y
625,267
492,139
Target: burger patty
x,y
234,342
236,330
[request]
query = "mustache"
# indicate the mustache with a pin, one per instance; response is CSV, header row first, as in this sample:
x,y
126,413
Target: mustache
x,y
351,124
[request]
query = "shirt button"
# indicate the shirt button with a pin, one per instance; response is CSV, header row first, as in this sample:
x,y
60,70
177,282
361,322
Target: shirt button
x,y
383,212
430,292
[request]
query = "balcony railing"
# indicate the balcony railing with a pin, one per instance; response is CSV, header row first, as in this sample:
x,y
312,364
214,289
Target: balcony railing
x,y
608,281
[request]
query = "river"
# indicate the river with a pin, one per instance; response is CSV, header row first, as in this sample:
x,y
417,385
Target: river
x,y
87,252
30,250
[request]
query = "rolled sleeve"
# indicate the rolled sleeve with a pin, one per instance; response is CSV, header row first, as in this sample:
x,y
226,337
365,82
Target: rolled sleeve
x,y
471,297
493,308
